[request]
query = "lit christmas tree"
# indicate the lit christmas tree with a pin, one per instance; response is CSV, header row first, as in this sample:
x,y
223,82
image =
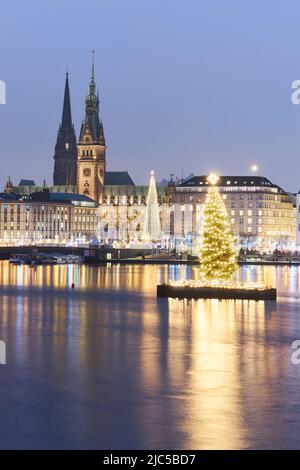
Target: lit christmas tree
x,y
152,231
217,254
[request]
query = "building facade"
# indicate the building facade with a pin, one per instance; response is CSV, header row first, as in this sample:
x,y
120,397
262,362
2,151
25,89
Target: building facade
x,y
262,215
123,209
47,217
298,221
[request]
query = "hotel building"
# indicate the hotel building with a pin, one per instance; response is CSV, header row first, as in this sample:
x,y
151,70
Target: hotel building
x,y
262,215
46,217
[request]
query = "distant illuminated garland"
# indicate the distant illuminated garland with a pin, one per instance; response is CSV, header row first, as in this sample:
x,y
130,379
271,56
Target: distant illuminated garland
x,y
219,284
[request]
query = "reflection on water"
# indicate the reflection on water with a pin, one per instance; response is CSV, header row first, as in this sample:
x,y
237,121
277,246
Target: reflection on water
x,y
108,365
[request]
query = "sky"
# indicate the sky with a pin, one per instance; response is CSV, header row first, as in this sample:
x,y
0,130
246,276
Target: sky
x,y
185,86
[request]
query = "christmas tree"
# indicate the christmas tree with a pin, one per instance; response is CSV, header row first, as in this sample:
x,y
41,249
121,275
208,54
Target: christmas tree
x,y
217,254
152,230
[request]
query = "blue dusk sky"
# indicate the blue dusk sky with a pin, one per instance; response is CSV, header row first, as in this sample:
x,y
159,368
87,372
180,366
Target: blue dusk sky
x,y
185,86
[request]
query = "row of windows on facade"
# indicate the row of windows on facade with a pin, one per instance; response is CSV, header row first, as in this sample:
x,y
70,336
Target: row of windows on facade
x,y
235,189
26,235
38,228
250,230
125,200
267,197
258,205
265,221
132,200
44,212
12,207
85,219
51,221
277,212
35,219
266,213
241,205
87,153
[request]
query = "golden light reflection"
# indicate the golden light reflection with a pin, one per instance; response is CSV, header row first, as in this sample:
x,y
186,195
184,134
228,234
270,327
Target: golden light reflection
x,y
116,277
199,371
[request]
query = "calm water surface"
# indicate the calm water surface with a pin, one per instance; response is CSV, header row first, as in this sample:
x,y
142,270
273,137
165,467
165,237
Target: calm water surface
x,y
108,365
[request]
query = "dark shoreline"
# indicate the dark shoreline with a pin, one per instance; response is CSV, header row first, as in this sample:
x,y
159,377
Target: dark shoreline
x,y
98,256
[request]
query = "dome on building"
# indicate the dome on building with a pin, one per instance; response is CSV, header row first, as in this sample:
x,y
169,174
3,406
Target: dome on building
x,y
9,186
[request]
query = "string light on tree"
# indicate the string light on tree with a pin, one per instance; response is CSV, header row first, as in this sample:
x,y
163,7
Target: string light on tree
x,y
213,179
217,254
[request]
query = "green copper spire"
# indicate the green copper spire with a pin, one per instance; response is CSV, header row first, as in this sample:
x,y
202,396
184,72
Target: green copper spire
x,y
93,64
91,120
92,82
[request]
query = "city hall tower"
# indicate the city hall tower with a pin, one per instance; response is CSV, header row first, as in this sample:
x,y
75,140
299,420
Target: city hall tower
x,y
91,148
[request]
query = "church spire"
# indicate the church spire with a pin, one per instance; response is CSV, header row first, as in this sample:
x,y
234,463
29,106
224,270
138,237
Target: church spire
x,y
65,155
92,95
66,121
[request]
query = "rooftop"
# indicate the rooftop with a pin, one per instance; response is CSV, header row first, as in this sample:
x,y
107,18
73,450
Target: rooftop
x,y
25,182
118,178
258,181
75,199
9,197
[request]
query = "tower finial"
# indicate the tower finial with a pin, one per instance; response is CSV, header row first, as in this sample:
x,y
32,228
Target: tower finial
x,y
93,64
66,115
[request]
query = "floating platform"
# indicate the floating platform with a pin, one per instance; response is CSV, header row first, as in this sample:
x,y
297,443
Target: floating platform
x,y
195,292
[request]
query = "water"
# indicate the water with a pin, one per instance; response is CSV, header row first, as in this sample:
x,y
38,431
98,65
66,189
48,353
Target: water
x,y
108,365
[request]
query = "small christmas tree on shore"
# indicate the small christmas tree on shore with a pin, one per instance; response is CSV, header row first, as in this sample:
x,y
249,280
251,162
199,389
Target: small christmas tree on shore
x,y
217,254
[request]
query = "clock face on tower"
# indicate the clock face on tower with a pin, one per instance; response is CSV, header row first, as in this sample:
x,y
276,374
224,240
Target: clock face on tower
x,y
86,172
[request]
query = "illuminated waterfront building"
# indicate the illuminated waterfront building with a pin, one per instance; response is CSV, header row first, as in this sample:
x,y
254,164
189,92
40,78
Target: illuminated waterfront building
x,y
298,221
46,217
262,215
109,206
123,210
